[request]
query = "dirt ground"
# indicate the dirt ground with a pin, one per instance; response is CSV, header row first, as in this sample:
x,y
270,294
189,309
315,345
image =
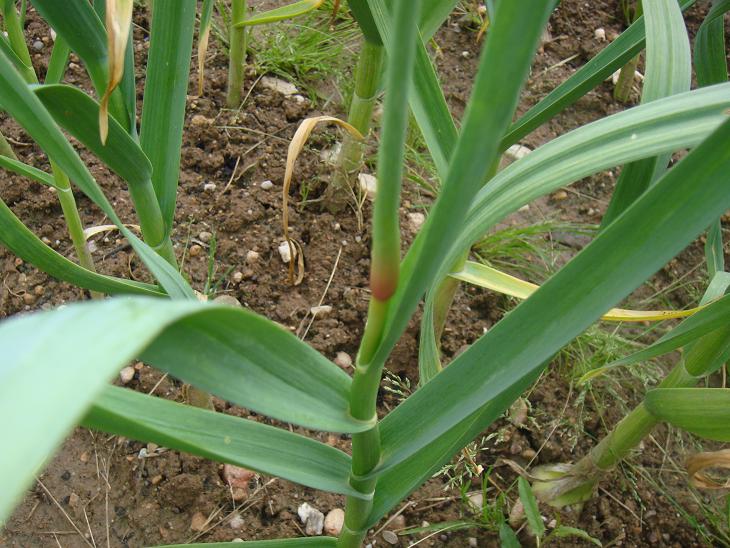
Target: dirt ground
x,y
99,491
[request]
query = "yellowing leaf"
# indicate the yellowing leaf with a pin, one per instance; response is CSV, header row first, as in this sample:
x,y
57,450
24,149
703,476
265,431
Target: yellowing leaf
x,y
295,148
491,278
699,464
118,23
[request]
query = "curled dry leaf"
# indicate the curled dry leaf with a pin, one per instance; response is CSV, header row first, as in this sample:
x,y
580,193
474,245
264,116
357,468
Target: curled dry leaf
x,y
699,464
295,148
92,231
118,23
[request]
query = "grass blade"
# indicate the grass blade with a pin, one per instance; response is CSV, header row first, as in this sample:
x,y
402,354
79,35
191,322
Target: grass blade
x,y
165,93
281,13
222,438
31,172
319,542
532,512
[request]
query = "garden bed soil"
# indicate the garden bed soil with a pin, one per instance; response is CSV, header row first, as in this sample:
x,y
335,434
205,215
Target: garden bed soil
x,y
100,485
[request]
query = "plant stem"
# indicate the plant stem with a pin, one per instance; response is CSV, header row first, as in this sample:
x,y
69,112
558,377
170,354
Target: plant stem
x,y
150,220
622,91
236,54
5,148
349,159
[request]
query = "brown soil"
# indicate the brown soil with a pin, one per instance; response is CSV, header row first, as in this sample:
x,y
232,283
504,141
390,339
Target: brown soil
x,y
100,484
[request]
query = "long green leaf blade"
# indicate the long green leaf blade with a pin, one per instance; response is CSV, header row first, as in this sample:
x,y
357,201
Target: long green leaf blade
x,y
508,51
668,72
165,94
222,438
659,225
318,542
702,411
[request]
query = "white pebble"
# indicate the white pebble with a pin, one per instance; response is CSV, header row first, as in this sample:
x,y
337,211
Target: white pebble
x,y
322,310
368,184
416,220
38,45
465,54
312,519
524,208
600,35
252,256
209,187
229,300
126,374
237,522
267,185
343,359
205,237
237,277
53,35
276,84
472,542
334,521
477,499
517,152
329,155
285,252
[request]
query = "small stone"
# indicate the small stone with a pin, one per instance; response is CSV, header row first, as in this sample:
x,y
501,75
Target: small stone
x,y
156,479
312,519
517,152
38,45
200,120
552,524
399,522
472,542
524,208
237,277
267,185
279,85
126,374
337,226
559,196
329,155
198,521
477,500
195,250
53,35
252,256
465,54
600,34
299,99
84,457
518,412
237,476
74,66
416,220
237,522
334,521
390,537
321,311
228,300
368,184
209,187
237,540
285,252
28,298
238,494
205,237
73,500
528,454
517,514
424,523
343,359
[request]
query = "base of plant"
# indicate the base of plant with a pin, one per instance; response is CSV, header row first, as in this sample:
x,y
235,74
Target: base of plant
x,y
565,485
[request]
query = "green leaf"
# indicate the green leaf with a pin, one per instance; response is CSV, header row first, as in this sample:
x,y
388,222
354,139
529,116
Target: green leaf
x,y
31,172
508,51
318,542
709,51
75,350
222,438
507,537
668,72
165,94
78,114
57,63
563,532
22,242
499,366
592,74
666,125
254,363
27,71
433,14
23,105
426,98
78,24
532,512
281,13
56,347
701,411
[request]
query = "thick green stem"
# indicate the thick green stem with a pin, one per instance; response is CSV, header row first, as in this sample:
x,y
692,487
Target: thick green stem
x,y
622,91
236,54
14,28
150,220
349,159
